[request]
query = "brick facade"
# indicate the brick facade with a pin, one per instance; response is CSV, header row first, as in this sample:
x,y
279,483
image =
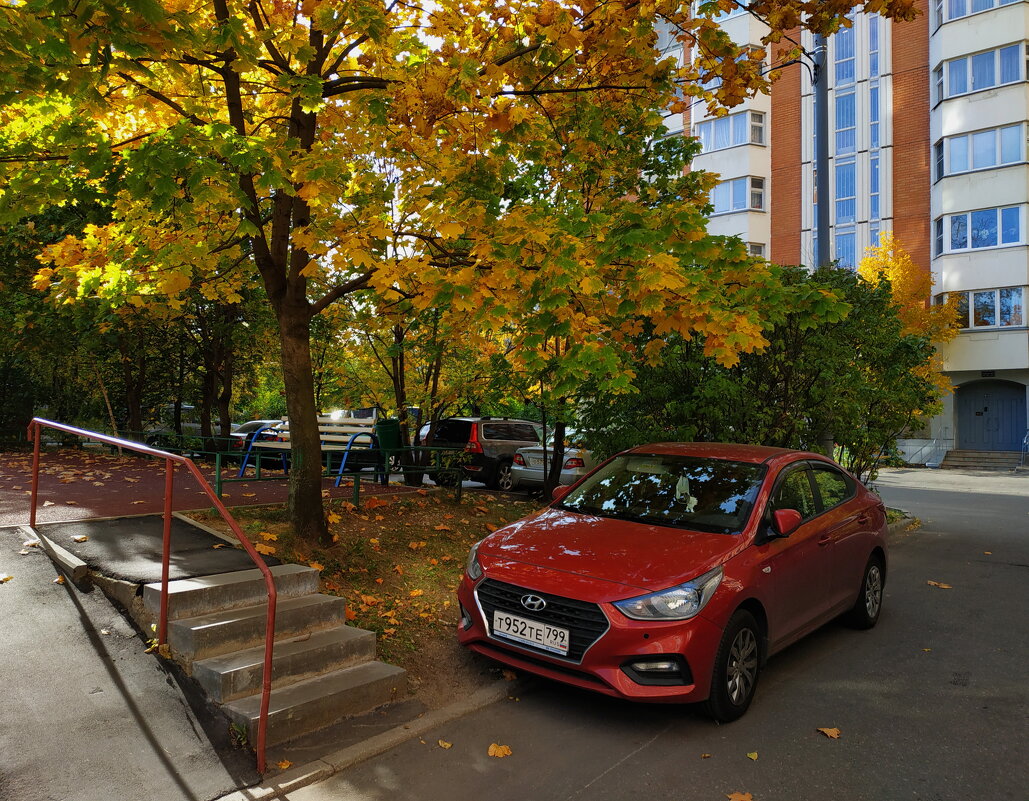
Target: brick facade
x,y
785,181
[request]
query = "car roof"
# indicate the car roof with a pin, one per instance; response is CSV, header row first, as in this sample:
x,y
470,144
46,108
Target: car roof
x,y
755,454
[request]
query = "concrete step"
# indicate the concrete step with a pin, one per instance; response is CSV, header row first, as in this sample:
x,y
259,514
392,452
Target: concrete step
x,y
203,594
215,633
312,704
230,676
980,460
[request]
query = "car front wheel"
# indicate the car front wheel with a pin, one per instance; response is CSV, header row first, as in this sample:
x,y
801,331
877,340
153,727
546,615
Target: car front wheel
x,y
736,669
503,479
866,610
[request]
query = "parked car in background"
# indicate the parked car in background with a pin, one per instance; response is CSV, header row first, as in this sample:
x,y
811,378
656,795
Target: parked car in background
x,y
531,464
244,432
490,444
673,570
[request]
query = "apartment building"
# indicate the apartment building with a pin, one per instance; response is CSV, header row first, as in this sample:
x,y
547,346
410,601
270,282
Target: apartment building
x,y
928,128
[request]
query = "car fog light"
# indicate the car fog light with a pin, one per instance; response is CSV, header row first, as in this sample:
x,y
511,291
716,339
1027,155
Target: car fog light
x,y
656,667
466,619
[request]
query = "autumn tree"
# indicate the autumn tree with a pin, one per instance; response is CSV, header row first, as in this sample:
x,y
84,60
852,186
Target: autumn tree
x,y
486,157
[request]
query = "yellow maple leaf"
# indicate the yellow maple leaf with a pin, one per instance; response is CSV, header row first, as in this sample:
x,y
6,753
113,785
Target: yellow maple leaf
x,y
316,565
333,518
442,527
451,230
416,593
499,751
444,744
285,763
5,578
752,755
739,797
265,535
832,734
414,546
375,503
265,549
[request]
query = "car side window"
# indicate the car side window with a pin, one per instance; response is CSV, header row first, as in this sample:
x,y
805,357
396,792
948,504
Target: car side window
x,y
524,432
795,492
833,486
496,431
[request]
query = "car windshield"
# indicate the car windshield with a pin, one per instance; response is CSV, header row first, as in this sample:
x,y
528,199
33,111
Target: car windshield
x,y
693,492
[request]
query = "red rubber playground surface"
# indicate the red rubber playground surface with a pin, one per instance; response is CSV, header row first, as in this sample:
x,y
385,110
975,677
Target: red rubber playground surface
x,y
83,484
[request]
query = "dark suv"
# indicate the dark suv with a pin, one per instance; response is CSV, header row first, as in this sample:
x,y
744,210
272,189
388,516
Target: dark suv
x,y
490,444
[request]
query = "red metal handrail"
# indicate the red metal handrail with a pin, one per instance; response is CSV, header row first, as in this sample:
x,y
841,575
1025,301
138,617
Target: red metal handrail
x,y
170,460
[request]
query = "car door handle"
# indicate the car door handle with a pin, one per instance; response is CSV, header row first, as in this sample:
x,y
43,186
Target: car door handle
x,y
824,540
863,520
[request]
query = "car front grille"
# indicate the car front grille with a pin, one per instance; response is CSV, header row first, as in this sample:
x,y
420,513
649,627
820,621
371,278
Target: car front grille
x,y
585,622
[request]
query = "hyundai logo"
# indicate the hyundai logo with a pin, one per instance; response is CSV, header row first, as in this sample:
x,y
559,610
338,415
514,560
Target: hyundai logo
x,y
533,603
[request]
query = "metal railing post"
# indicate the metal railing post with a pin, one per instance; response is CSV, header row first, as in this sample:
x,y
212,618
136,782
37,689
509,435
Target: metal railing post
x,y
169,484
34,428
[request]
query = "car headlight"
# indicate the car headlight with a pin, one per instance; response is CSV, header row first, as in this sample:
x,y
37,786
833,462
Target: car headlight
x,y
676,603
472,566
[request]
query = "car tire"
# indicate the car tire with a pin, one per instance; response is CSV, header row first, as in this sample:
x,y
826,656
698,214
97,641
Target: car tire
x,y
503,478
736,669
869,605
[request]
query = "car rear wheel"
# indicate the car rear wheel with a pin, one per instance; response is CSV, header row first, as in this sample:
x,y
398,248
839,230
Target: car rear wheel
x,y
866,610
503,478
736,669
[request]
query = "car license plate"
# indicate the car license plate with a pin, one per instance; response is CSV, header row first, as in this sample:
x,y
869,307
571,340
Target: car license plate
x,y
535,462
532,632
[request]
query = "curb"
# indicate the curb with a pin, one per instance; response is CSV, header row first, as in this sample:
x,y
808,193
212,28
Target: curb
x,y
901,526
296,777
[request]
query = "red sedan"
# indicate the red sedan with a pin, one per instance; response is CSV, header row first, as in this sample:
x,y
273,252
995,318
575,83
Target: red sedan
x,y
673,570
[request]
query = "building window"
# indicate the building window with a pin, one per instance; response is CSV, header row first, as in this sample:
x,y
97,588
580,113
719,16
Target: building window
x,y
984,70
873,45
756,249
981,150
938,168
846,123
938,237
745,128
846,248
938,85
873,114
844,44
846,192
739,194
938,12
962,8
990,308
985,228
873,187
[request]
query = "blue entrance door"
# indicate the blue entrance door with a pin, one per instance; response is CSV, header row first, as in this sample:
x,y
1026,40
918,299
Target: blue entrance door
x,y
991,416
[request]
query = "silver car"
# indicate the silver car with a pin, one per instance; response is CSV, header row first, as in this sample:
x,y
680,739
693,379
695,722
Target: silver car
x,y
527,468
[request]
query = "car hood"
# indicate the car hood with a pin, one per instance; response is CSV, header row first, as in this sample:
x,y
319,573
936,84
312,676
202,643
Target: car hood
x,y
616,553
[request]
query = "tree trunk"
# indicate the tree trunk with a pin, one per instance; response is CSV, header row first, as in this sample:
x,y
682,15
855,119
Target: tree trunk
x,y
305,475
557,460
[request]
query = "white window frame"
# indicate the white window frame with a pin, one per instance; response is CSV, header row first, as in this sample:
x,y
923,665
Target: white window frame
x,y
950,64
969,323
948,220
967,4
749,188
950,144
748,122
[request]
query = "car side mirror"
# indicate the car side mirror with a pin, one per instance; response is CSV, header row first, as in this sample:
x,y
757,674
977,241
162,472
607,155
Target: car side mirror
x,y
786,521
559,492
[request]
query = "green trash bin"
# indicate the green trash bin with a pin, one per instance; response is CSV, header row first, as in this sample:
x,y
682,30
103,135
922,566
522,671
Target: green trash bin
x,y
387,432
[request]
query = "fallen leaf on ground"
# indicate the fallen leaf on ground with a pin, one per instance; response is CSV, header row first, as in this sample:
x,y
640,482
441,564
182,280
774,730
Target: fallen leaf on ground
x,y
444,744
705,756
927,650
59,580
164,651
285,763
48,503
375,503
416,593
374,541
832,734
752,755
988,553
414,546
351,614
420,492
24,551
499,751
482,509
509,675
79,538
379,517
265,549
105,631
4,578
31,543
316,565
442,527
267,536
333,518
249,494
134,503
72,503
218,545
740,797
399,570
370,600
939,584
348,506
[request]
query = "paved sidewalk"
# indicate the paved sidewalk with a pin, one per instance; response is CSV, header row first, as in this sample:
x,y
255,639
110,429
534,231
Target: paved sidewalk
x,y
980,482
86,713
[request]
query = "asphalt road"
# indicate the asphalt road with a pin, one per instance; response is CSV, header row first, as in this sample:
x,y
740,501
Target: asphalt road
x,y
931,704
